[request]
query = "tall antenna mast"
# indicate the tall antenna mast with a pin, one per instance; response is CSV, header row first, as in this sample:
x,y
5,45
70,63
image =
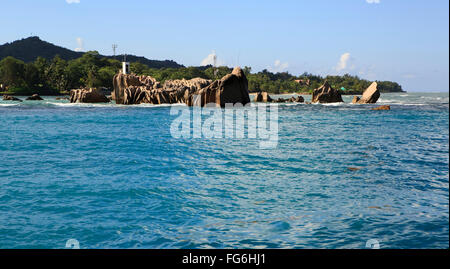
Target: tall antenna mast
x,y
114,47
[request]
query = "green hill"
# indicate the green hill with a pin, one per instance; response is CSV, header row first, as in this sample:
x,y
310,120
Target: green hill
x,y
28,49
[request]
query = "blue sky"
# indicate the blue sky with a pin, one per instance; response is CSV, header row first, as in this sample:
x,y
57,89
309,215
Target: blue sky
x,y
401,40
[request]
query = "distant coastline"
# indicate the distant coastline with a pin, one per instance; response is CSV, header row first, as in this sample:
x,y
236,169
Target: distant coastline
x,y
252,93
33,66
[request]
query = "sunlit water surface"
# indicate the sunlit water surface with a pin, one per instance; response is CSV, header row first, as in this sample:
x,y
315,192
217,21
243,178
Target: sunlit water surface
x,y
112,176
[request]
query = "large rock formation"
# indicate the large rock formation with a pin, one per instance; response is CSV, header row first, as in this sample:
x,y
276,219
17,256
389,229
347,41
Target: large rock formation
x,y
182,85
10,98
263,97
370,95
88,96
122,82
231,89
144,94
35,97
132,89
326,94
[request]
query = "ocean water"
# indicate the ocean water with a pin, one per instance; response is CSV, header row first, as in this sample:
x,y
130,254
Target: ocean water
x,y
113,176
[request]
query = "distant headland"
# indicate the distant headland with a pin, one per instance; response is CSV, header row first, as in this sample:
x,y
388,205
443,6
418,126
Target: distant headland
x,y
33,66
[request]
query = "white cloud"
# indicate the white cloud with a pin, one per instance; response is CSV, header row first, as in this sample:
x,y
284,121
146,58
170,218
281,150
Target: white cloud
x,y
278,66
343,62
209,60
73,1
80,44
373,1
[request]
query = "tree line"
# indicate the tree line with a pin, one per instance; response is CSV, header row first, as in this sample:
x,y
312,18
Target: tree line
x,y
57,76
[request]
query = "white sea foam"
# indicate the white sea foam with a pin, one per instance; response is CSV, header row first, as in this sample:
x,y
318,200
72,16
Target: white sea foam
x,y
408,104
108,105
152,105
79,104
334,104
410,99
9,104
380,100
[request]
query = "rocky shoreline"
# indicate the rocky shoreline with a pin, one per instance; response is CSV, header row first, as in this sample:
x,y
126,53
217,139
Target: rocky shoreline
x,y
233,88
325,94
130,89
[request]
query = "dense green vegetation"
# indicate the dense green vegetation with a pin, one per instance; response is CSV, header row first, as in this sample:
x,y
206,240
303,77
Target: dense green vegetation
x,y
51,77
92,70
306,83
267,81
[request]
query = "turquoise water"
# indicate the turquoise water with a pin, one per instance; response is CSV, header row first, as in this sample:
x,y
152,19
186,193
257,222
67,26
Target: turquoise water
x,y
113,177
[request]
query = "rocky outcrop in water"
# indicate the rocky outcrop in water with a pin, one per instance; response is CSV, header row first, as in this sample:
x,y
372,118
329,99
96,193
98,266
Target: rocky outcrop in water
x,y
384,107
280,100
192,85
88,96
262,97
122,82
265,98
10,98
298,99
146,95
35,97
132,89
326,94
231,89
370,95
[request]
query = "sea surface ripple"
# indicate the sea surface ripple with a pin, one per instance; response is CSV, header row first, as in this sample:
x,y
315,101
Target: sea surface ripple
x,y
112,176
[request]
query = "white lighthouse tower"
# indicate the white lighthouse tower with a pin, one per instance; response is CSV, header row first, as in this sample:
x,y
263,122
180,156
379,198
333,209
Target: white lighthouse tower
x,y
125,65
